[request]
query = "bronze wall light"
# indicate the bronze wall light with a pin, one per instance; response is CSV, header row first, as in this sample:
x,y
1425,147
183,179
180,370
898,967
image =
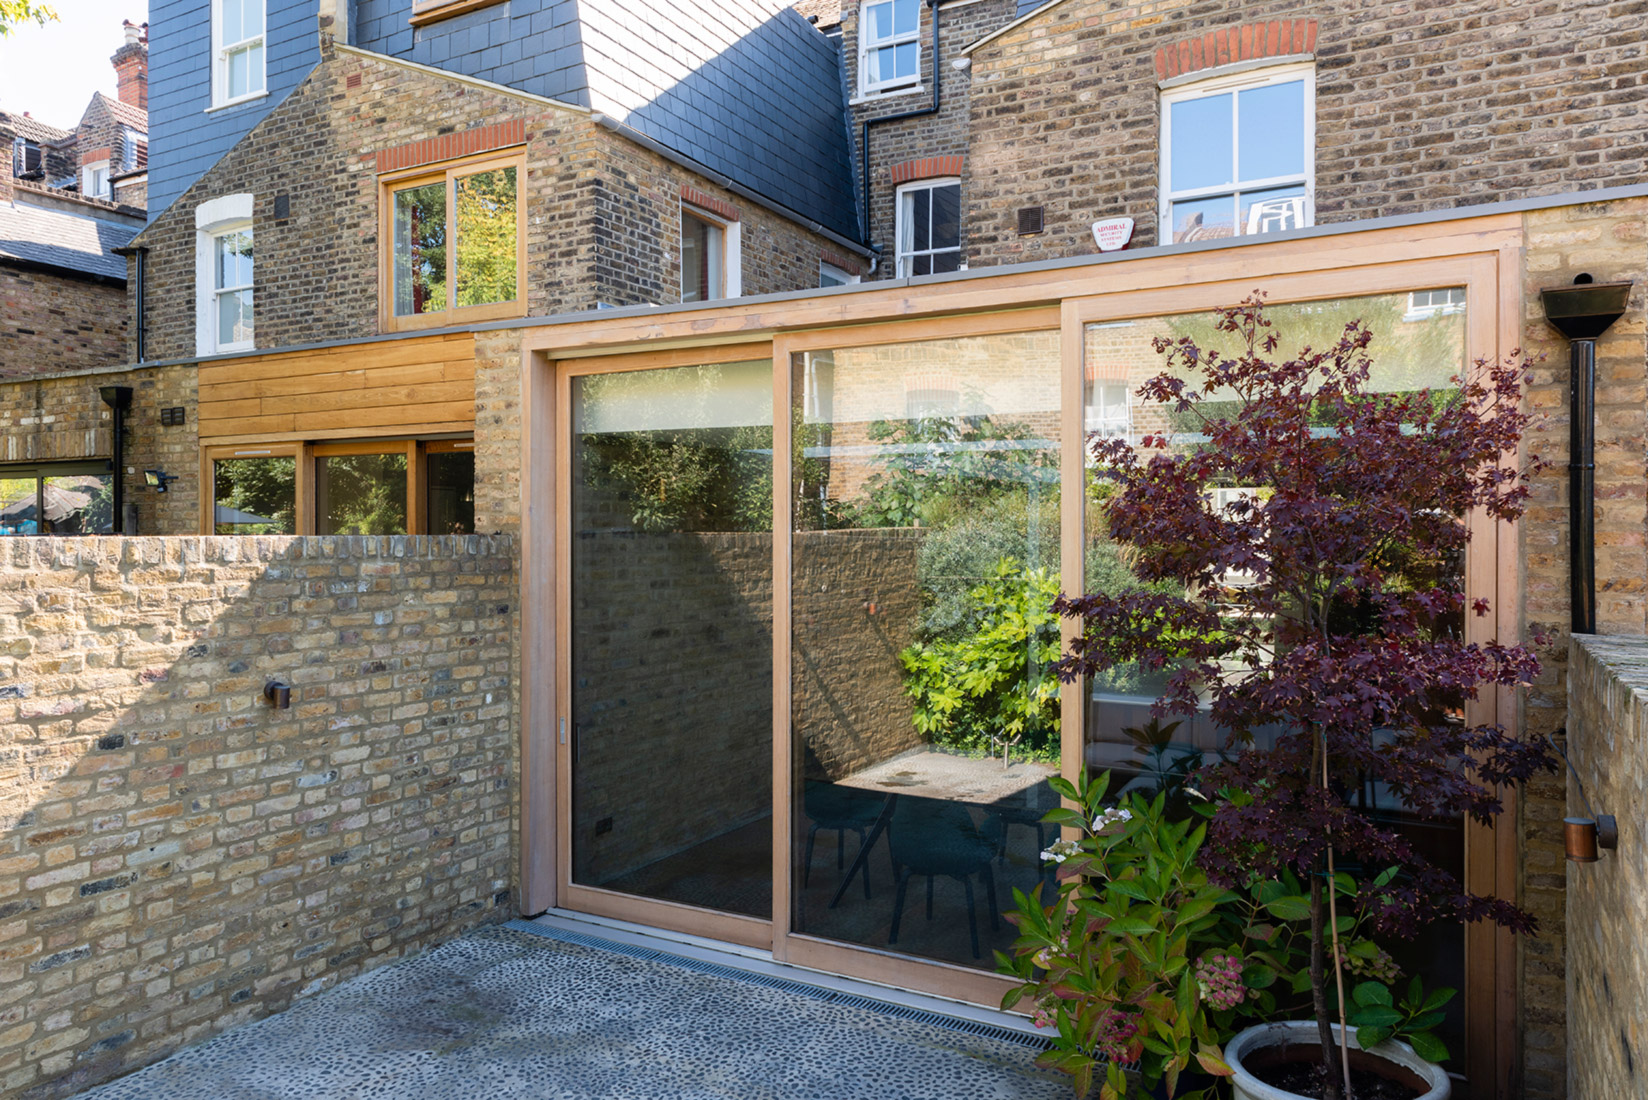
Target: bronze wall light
x,y
1582,836
278,694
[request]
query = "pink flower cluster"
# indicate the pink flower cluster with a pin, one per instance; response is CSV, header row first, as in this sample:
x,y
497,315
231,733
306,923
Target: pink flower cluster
x,y
1381,966
1119,1039
1219,976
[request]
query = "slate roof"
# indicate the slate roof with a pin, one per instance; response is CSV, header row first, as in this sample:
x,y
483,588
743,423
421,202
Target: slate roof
x,y
746,87
125,113
31,129
56,238
1028,6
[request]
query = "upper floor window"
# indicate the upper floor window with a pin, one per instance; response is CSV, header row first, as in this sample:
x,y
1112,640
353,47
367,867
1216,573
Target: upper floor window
x,y
831,275
455,249
889,44
709,256
1425,304
26,157
929,227
1238,154
1108,413
223,275
237,50
94,180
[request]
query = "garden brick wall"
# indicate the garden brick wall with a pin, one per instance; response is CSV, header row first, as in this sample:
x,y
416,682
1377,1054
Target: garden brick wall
x,y
1418,107
1607,241
62,419
1607,979
177,857
52,323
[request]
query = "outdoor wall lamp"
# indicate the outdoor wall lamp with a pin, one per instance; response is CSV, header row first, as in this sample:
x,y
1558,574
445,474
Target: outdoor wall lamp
x,y
1582,836
280,695
157,480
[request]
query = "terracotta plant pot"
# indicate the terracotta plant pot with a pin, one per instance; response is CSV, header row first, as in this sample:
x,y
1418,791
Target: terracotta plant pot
x,y
1298,1040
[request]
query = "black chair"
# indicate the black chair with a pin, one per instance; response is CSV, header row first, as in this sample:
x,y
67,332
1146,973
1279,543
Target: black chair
x,y
935,838
843,809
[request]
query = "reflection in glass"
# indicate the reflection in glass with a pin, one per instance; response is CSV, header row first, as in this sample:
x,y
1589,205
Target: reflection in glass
x,y
234,287
487,237
450,492
420,249
255,496
77,504
671,644
361,494
703,261
1413,348
1204,219
1272,137
1201,149
925,556
19,506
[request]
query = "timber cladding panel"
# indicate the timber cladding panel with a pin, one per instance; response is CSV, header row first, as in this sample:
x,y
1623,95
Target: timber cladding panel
x,y
399,387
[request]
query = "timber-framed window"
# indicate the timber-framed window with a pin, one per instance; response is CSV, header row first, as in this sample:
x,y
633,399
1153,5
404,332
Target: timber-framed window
x,y
455,244
237,51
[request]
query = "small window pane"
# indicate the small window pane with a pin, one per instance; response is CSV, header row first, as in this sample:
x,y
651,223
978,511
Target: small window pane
x,y
252,20
921,265
361,494
1272,139
906,16
233,23
234,259
451,493
78,504
420,249
907,61
254,65
701,259
1204,219
19,506
947,216
234,317
881,21
946,261
921,219
1273,211
1201,144
240,73
255,496
487,237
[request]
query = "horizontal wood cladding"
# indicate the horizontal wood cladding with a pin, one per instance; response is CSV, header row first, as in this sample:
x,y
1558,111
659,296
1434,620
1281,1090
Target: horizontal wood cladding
x,y
403,387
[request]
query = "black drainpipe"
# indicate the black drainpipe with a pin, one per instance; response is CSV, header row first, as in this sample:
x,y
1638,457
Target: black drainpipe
x,y
864,138
142,258
119,399
1583,312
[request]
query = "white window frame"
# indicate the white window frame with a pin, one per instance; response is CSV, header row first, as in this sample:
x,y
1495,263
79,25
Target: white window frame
x,y
732,252
1430,307
865,46
94,180
841,276
1105,419
214,218
901,219
257,83
1235,82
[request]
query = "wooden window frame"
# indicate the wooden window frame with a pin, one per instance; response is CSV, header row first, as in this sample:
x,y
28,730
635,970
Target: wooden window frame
x,y
448,172
433,11
208,482
414,476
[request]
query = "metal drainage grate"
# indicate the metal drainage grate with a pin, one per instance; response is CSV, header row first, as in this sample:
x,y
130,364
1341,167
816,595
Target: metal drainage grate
x,y
785,985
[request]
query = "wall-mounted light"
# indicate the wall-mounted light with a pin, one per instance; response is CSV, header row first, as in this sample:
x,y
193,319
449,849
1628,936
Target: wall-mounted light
x,y
278,694
1582,836
157,480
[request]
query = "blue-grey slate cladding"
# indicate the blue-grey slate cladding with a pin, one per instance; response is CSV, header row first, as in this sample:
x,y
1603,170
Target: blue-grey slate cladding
x,y
746,87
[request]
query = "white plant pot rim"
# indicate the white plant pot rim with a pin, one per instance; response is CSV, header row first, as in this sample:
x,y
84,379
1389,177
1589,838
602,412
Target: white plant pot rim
x,y
1304,1033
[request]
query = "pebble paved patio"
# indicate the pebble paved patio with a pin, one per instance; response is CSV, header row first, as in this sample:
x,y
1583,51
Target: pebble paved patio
x,y
517,1011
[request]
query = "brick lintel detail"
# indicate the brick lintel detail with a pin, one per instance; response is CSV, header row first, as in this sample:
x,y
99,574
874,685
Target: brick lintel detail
x,y
464,143
694,197
926,168
1230,45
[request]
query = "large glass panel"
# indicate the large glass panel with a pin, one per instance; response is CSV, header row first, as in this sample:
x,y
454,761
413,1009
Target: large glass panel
x,y
361,494
77,504
255,496
671,603
926,720
19,506
420,249
487,237
1413,348
450,477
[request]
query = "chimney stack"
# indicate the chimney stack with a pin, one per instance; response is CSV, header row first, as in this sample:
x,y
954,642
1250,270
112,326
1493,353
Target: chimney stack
x,y
131,66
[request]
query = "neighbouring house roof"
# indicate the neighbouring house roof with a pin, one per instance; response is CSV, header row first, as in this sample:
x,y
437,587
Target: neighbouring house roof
x,y
124,113
31,129
827,12
78,243
747,88
1026,11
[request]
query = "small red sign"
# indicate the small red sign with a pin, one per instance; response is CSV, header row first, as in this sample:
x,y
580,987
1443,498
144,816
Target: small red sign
x,y
1112,233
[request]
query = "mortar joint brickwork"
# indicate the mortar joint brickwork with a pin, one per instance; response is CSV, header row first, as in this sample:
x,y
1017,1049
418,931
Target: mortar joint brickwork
x,y
1230,45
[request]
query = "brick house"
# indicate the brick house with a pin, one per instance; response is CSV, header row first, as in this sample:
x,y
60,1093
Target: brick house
x,y
1024,195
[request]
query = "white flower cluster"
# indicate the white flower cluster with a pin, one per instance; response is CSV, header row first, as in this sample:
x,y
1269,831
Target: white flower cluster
x,y
1060,851
1112,816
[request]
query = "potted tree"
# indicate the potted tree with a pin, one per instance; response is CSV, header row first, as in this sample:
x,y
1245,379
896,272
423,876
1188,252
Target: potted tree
x,y
1335,648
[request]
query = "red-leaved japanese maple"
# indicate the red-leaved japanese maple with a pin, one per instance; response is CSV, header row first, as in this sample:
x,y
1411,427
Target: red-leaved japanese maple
x,y
1335,645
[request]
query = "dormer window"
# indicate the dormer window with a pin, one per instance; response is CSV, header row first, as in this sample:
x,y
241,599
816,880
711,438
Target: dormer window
x,y
26,158
237,43
94,180
889,45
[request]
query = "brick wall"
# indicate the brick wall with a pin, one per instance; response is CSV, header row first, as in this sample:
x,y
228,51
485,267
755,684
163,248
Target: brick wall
x,y
177,857
1605,240
1418,106
62,419
56,323
1607,968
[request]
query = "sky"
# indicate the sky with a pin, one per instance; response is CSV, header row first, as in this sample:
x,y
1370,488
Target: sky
x,y
52,71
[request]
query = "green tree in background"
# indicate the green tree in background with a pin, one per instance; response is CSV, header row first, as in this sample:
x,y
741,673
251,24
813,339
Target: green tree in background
x,y
14,13
486,237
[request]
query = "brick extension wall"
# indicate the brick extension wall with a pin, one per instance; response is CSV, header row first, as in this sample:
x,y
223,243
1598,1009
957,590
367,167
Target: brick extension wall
x,y
54,323
1607,966
176,857
1418,107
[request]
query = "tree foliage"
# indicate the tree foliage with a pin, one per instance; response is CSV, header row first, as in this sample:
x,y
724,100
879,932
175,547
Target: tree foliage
x,y
1339,645
14,13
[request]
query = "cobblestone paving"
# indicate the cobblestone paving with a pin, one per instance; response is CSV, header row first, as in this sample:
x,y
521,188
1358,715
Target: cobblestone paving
x,y
505,1013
